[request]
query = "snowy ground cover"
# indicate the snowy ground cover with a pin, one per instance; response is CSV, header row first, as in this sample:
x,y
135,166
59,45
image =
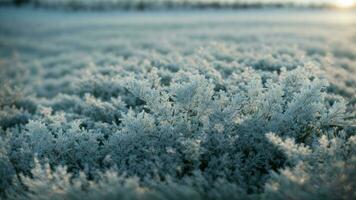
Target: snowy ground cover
x,y
247,104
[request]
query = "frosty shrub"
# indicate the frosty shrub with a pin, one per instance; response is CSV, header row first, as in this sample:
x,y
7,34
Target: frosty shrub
x,y
179,119
188,137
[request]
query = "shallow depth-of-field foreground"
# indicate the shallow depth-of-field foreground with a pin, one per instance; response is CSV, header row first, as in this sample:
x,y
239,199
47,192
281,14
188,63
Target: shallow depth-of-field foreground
x,y
256,104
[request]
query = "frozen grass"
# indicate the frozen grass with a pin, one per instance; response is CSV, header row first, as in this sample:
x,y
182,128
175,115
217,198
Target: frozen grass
x,y
253,104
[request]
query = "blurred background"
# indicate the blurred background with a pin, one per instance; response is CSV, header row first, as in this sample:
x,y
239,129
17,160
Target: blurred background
x,y
46,44
175,4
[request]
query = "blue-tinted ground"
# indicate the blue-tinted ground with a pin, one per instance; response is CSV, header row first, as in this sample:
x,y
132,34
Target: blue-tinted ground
x,y
60,44
245,104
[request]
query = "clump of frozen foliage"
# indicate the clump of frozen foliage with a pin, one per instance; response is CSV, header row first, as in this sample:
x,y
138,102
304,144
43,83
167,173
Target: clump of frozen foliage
x,y
325,170
180,134
110,113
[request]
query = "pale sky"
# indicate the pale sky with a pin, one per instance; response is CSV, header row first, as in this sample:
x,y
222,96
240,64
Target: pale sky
x,y
286,1
339,3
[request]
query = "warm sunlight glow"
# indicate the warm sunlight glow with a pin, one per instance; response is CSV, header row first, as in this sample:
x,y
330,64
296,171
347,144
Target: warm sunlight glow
x,y
345,3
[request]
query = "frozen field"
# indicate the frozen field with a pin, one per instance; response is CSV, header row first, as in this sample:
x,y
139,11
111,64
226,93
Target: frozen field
x,y
53,46
205,105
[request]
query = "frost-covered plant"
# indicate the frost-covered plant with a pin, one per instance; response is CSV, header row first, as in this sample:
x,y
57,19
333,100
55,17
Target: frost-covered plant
x,y
108,114
175,131
326,170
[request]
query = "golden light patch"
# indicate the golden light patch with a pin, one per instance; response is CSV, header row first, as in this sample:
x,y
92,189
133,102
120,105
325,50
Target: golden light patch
x,y
345,3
